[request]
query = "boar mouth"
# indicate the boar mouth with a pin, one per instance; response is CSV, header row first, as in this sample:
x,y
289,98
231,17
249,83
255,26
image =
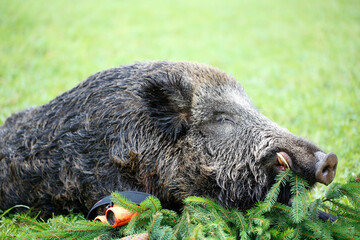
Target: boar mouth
x,y
283,161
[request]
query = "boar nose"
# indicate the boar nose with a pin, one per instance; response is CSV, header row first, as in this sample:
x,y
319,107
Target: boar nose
x,y
325,168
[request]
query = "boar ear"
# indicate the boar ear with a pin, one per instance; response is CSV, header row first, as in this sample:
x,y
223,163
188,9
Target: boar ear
x,y
168,100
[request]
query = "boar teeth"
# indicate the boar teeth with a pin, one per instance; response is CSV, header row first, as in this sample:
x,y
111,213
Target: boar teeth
x,y
282,160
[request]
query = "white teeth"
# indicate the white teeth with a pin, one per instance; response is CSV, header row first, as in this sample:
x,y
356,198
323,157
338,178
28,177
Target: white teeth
x,y
282,160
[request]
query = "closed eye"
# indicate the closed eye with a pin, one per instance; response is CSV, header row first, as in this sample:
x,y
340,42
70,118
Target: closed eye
x,y
225,120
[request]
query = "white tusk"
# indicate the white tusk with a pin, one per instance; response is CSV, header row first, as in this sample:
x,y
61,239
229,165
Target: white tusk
x,y
282,160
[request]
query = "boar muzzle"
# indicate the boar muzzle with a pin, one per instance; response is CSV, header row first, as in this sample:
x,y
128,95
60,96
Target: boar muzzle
x,y
325,168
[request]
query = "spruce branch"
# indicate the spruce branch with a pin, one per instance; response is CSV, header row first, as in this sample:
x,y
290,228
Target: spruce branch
x,y
203,218
125,203
352,191
300,200
36,225
206,202
272,195
314,210
151,203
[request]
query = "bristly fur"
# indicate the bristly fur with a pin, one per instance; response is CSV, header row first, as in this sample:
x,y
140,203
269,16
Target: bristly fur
x,y
169,129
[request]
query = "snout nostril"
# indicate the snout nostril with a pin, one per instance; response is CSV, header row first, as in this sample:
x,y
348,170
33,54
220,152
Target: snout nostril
x,y
325,171
328,168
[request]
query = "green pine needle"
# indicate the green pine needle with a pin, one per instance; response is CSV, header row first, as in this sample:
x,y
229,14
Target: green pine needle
x,y
352,191
203,218
125,203
272,195
151,203
300,200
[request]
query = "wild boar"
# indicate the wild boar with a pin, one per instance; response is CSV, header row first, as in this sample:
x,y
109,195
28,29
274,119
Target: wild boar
x,y
171,129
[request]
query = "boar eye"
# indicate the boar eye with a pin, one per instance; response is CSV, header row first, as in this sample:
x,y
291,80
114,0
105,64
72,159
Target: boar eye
x,y
224,120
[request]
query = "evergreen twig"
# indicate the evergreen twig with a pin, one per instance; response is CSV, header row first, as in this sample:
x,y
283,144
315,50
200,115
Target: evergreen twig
x,y
203,218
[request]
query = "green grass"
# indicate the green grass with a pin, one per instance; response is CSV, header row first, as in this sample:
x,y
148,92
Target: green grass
x,y
298,60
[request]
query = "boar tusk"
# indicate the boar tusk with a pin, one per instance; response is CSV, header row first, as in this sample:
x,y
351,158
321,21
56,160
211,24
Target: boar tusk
x,y
282,160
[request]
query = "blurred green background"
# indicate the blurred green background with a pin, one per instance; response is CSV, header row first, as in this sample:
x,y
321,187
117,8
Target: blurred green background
x,y
299,61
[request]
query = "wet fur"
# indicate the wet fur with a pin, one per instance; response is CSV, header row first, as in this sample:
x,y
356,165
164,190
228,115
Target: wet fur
x,y
158,127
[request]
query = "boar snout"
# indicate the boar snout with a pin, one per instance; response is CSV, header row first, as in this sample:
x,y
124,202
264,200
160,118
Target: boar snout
x,y
325,168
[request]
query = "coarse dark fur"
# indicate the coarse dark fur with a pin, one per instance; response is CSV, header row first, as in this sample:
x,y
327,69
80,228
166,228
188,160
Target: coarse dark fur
x,y
169,129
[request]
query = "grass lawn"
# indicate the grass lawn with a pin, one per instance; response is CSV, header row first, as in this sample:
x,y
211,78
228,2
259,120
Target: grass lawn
x,y
298,60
